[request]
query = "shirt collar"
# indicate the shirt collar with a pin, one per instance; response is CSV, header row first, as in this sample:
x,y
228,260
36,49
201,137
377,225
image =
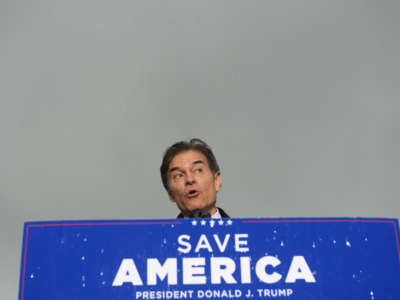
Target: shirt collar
x,y
217,215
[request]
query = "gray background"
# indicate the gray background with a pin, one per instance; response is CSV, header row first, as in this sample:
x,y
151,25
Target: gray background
x,y
300,101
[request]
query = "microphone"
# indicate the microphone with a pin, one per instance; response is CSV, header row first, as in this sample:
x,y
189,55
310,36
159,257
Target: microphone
x,y
199,214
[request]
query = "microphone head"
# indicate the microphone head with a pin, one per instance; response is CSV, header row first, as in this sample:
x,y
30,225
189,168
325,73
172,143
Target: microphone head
x,y
199,214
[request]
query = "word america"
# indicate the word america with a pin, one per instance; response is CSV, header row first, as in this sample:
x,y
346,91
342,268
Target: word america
x,y
221,268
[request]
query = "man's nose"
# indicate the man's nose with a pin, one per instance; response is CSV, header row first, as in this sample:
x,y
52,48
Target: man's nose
x,y
190,179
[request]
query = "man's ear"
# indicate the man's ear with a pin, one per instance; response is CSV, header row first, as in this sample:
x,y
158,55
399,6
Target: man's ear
x,y
217,181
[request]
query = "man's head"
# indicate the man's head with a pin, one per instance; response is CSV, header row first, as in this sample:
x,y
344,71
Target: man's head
x,y
191,176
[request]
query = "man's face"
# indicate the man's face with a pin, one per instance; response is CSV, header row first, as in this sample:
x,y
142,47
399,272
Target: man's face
x,y
192,185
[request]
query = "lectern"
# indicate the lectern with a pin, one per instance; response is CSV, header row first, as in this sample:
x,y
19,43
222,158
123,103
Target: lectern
x,y
283,258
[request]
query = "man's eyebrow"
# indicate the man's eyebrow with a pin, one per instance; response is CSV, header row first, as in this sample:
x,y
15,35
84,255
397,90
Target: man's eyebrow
x,y
193,163
173,169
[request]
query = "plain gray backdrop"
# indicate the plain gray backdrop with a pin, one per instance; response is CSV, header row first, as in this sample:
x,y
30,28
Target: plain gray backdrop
x,y
299,100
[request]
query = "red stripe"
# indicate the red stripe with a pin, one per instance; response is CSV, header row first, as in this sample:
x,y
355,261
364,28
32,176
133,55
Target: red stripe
x,y
316,221
104,223
397,238
24,268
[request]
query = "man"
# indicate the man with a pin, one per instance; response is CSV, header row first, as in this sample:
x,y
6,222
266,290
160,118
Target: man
x,y
192,178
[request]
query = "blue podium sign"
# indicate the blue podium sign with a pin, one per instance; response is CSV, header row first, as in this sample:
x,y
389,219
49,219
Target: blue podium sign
x,y
211,259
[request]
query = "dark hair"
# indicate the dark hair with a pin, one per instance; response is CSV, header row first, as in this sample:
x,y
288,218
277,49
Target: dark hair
x,y
182,146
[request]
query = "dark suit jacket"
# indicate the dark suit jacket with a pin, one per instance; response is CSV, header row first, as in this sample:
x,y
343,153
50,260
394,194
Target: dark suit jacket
x,y
221,212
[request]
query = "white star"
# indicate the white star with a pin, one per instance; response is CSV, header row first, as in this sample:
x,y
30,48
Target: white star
x,y
212,222
203,222
220,222
194,222
229,222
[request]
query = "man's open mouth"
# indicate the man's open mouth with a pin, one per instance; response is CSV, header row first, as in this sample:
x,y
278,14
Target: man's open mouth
x,y
192,193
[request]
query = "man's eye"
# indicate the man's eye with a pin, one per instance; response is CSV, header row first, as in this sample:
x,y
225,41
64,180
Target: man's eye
x,y
178,176
199,170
